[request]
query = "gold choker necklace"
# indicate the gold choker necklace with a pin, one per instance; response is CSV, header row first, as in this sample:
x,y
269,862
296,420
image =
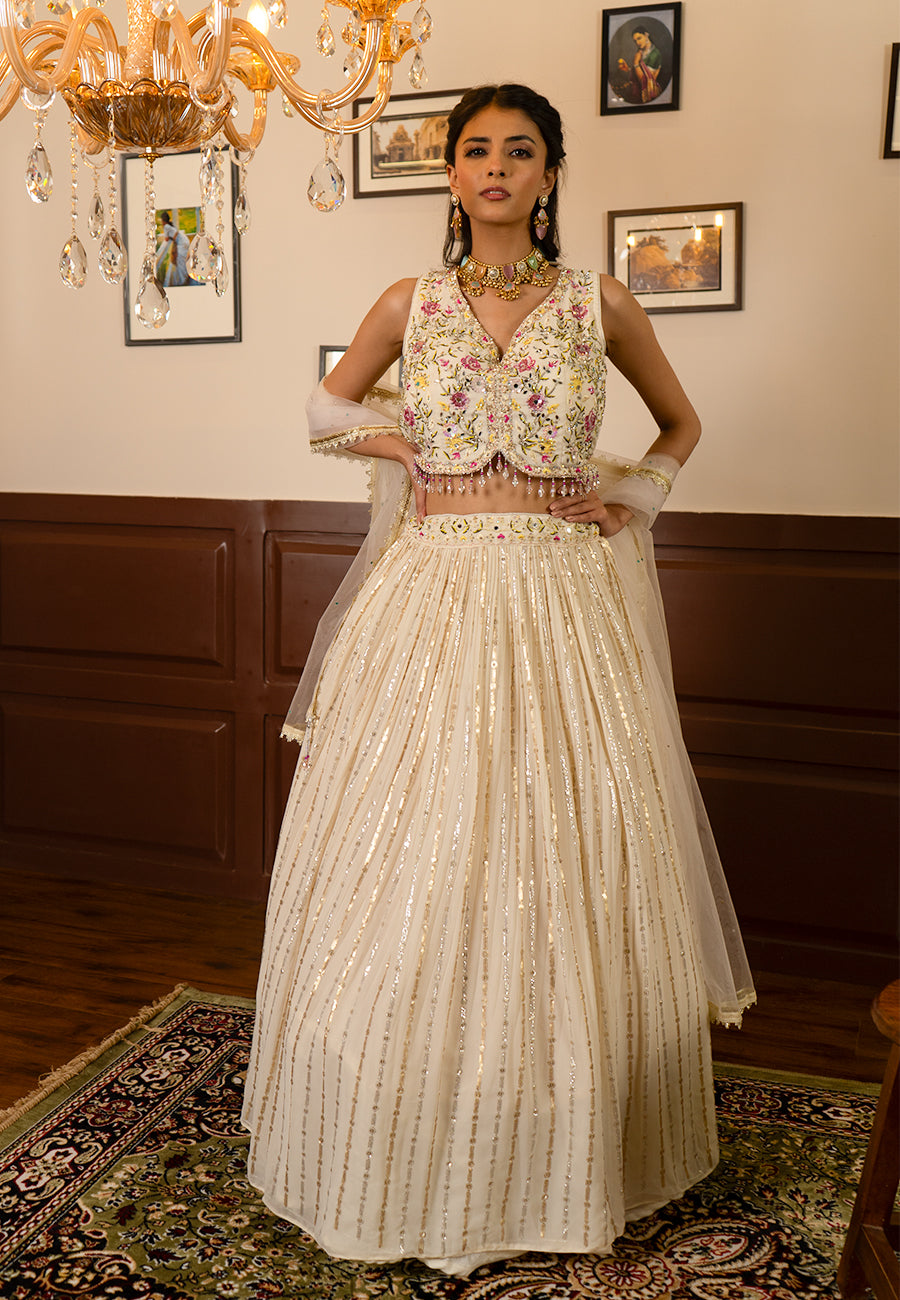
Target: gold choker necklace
x,y
474,276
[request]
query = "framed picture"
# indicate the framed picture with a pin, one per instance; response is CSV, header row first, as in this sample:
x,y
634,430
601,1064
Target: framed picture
x,y
680,259
640,59
330,355
403,152
892,117
196,313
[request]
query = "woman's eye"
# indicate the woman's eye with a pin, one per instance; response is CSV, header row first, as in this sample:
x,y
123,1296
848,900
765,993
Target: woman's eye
x,y
473,151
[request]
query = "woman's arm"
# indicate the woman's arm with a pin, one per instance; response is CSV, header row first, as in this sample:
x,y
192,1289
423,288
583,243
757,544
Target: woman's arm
x,y
376,346
634,350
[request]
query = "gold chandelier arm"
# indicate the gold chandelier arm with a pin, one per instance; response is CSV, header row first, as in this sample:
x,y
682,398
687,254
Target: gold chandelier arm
x,y
72,38
36,59
216,49
252,141
182,45
246,36
370,56
379,103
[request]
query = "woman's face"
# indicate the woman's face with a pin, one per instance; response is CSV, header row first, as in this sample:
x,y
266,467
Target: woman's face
x,y
641,40
500,166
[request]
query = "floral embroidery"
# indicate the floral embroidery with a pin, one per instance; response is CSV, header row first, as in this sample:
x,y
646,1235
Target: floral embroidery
x,y
539,406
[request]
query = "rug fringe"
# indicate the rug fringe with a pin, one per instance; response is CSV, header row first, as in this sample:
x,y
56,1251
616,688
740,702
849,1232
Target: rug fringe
x,y
50,1082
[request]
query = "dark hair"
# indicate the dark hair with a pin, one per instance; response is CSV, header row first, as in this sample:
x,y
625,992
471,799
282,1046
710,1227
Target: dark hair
x,y
641,31
166,217
547,121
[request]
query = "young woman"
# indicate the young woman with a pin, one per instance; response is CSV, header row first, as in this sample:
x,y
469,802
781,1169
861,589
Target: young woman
x,y
497,926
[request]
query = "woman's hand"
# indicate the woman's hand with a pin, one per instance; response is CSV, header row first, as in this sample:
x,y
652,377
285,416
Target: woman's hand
x,y
419,493
587,508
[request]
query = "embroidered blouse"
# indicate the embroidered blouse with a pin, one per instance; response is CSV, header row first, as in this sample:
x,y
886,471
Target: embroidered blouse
x,y
536,410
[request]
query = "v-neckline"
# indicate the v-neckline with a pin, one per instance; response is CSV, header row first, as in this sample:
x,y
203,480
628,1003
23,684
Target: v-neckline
x,y
488,336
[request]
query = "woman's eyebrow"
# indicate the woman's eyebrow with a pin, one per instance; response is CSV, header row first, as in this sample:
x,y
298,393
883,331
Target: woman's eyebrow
x,y
485,139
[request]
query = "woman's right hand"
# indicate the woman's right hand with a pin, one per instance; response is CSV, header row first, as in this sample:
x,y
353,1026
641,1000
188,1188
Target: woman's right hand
x,y
419,494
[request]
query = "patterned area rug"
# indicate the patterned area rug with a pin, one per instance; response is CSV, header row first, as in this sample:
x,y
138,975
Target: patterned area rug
x,y
128,1183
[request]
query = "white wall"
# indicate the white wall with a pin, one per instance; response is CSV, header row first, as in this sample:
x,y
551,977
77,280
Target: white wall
x,y
798,392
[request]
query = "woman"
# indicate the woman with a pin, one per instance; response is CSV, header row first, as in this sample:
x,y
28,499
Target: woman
x,y
172,253
497,920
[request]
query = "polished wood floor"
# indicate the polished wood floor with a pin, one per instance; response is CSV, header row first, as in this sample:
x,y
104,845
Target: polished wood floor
x,y
78,960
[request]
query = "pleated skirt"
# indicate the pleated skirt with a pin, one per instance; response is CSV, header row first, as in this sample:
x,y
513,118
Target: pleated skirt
x,y
482,1027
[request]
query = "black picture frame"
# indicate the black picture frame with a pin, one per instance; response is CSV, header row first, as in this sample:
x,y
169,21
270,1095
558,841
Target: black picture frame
x,y
663,280
404,176
205,317
645,85
892,115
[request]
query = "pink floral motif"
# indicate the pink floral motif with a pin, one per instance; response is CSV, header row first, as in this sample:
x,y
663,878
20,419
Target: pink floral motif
x,y
429,306
589,421
460,400
537,402
527,363
470,363
579,311
408,417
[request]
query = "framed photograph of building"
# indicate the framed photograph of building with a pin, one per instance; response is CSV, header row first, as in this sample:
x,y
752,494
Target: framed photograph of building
x,y
640,59
196,312
403,152
680,259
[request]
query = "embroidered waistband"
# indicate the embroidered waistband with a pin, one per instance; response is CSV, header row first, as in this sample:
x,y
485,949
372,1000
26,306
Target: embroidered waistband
x,y
490,528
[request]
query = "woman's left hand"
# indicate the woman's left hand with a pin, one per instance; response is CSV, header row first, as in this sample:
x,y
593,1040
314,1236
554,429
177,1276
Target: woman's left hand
x,y
587,508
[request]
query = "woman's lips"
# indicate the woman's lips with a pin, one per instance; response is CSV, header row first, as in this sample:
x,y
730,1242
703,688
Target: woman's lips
x,y
495,193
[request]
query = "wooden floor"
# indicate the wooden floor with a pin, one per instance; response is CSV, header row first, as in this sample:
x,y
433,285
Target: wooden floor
x,y
78,960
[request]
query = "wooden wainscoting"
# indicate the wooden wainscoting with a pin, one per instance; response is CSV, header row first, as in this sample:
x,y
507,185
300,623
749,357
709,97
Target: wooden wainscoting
x,y
150,647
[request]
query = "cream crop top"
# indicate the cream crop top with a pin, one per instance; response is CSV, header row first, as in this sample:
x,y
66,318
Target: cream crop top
x,y
535,412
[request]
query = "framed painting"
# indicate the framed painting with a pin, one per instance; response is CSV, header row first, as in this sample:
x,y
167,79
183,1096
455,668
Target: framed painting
x,y
680,259
196,313
403,152
892,116
640,59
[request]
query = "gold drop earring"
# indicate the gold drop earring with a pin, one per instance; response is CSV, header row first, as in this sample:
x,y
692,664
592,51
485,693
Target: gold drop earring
x,y
541,221
456,218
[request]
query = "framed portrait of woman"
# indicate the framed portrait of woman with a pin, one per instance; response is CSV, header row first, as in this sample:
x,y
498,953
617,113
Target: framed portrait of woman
x,y
640,59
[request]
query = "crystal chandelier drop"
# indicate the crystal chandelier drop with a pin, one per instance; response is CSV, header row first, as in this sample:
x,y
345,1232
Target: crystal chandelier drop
x,y
172,88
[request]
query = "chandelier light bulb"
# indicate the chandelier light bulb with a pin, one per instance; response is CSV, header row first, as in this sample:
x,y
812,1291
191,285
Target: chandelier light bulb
x,y
258,17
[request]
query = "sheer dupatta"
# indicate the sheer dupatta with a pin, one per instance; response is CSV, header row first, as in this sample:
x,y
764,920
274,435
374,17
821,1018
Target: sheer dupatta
x,y
335,425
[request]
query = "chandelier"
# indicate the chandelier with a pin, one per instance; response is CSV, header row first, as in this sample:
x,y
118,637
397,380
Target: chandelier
x,y
173,88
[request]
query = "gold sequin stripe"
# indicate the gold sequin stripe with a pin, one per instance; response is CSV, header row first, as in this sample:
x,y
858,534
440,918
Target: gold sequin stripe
x,y
655,475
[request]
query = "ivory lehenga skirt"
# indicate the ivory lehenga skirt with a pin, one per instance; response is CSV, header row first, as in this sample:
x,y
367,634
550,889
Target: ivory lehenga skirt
x,y
493,936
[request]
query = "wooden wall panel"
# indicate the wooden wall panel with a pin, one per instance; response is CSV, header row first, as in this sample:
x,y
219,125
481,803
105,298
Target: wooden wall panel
x,y
157,782
149,650
303,570
141,599
785,650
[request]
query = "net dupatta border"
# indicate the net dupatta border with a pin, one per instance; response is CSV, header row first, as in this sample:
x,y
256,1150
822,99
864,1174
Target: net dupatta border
x,y
336,424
